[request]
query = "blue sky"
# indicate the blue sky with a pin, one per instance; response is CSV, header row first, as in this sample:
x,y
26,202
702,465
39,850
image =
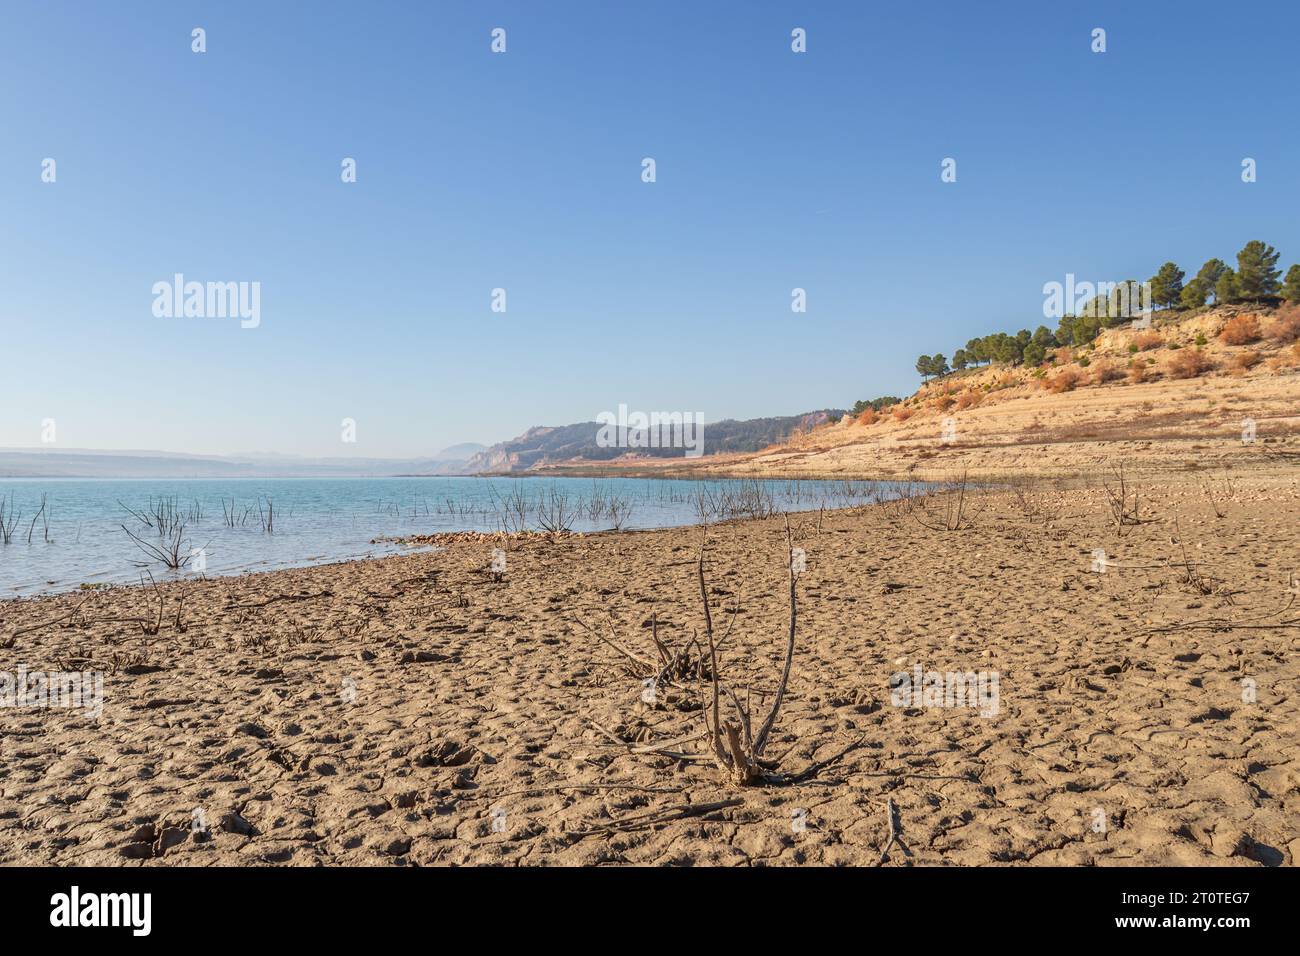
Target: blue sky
x,y
522,170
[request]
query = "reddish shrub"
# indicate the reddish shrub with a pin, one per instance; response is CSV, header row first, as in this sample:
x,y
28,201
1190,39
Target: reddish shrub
x,y
1245,361
1286,327
1104,372
1063,381
1240,330
1189,363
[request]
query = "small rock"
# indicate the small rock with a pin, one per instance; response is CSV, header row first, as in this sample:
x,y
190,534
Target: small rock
x,y
170,837
1229,841
233,823
398,847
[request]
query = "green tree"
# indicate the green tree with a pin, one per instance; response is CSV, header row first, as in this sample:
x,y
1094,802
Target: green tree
x,y
1167,285
939,365
923,365
1194,294
1257,272
1291,288
884,401
1225,290
959,359
1211,273
1044,338
1085,329
1065,330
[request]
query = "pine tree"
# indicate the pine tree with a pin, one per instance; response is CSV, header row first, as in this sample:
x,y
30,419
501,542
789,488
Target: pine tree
x,y
1225,290
1291,288
1211,273
1194,294
1257,272
1167,285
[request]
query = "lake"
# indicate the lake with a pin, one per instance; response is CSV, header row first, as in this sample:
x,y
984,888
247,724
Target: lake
x,y
114,531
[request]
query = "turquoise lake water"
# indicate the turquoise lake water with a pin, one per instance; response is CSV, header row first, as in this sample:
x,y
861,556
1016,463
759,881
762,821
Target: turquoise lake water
x,y
80,539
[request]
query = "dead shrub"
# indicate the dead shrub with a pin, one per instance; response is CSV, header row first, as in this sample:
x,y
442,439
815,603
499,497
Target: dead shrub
x,y
1240,330
968,400
868,417
1104,372
1063,381
1137,373
944,402
901,413
1245,361
1189,363
1148,341
1286,327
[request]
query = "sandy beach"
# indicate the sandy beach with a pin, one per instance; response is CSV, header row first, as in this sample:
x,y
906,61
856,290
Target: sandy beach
x,y
428,710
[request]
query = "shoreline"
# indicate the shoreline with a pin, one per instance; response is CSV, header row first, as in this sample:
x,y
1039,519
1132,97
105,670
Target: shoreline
x,y
381,711
582,508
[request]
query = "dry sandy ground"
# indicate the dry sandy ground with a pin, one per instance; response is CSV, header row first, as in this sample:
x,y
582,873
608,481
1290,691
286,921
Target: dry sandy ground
x,y
413,710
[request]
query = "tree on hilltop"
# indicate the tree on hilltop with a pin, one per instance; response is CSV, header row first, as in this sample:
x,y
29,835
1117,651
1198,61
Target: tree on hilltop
x,y
1225,290
1257,272
1210,275
1291,288
1167,285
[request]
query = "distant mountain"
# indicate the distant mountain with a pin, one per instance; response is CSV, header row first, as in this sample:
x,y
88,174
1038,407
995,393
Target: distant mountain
x,y
88,463
550,445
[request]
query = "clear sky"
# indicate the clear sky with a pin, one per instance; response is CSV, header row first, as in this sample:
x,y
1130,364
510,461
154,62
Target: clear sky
x,y
522,170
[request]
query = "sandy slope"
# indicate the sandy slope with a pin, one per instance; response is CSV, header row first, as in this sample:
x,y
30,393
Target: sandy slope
x,y
377,713
1018,426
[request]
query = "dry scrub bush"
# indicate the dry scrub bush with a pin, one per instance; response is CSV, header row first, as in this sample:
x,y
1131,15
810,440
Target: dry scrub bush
x,y
1189,363
1286,327
1137,373
1240,330
968,400
944,402
1148,341
1244,362
1286,359
1063,381
868,417
901,413
1105,372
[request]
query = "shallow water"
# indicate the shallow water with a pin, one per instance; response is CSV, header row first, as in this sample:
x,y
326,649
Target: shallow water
x,y
319,520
